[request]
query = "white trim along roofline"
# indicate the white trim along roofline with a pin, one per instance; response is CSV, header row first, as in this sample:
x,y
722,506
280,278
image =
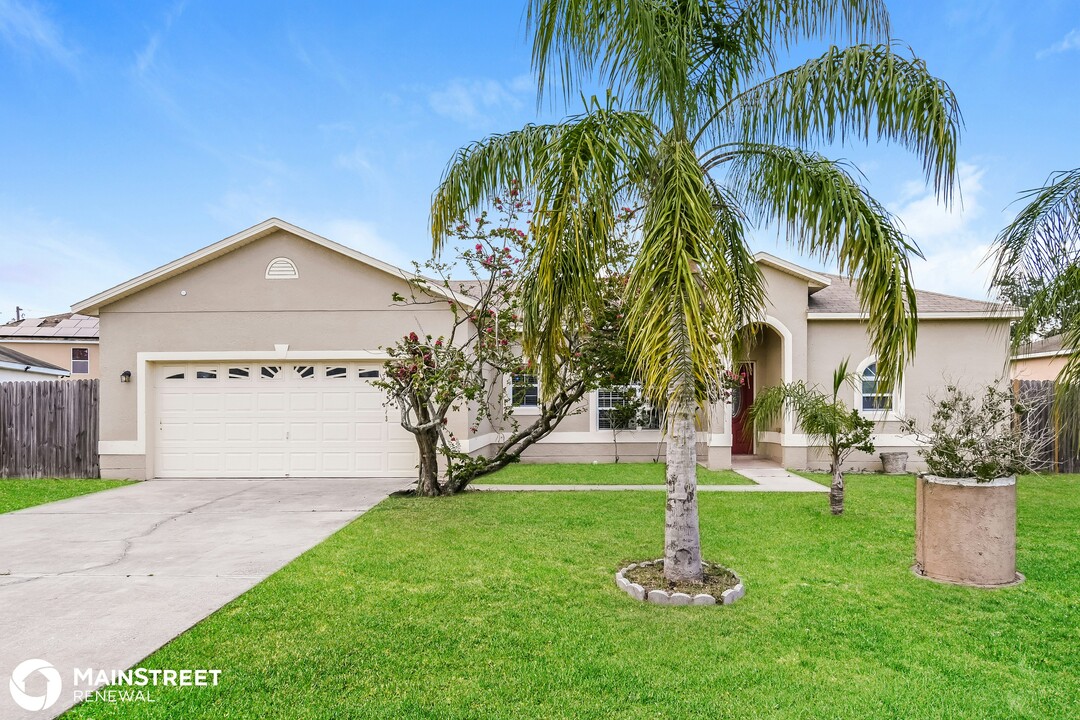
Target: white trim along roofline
x,y
37,369
90,305
1049,354
817,280
967,315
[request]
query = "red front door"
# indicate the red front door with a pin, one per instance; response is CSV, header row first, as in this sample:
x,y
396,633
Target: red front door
x,y
742,438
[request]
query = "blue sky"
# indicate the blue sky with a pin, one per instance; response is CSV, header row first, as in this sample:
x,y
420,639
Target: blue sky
x,y
134,133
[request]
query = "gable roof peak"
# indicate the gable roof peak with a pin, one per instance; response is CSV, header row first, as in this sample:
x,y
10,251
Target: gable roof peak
x,y
91,305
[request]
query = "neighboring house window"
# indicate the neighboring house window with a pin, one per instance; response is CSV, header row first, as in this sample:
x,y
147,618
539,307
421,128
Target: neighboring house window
x,y
80,361
524,390
608,398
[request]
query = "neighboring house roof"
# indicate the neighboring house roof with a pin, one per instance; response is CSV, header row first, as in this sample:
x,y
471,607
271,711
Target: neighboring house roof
x,y
13,360
91,305
840,301
1047,347
66,326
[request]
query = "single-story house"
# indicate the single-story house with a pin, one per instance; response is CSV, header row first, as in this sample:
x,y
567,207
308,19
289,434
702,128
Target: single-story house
x,y
67,340
19,367
1040,360
253,357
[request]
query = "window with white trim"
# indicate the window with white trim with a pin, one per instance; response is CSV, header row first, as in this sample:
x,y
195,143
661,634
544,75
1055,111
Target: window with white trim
x,y
524,390
80,361
607,398
870,398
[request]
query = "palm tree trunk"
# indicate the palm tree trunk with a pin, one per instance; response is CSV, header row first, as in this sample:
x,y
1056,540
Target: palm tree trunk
x,y
836,490
682,539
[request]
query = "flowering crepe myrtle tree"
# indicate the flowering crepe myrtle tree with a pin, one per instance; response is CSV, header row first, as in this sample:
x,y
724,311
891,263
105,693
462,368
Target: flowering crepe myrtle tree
x,y
463,370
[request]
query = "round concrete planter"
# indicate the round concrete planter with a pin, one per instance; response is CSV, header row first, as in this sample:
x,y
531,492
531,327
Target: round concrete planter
x,y
965,530
894,463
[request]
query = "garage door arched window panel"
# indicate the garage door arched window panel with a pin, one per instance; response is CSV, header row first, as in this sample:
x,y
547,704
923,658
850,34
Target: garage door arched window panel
x,y
239,373
269,372
368,373
336,372
210,373
306,372
282,268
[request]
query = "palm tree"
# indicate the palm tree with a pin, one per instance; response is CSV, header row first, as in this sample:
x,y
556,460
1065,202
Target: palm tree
x,y
1040,250
702,135
826,420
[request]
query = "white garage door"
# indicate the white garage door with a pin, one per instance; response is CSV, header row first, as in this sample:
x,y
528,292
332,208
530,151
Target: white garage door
x,y
276,419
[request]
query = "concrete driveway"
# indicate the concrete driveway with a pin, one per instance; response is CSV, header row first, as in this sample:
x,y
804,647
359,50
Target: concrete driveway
x,y
103,580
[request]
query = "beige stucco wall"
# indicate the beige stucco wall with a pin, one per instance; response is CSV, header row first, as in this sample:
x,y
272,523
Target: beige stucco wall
x,y
1040,368
59,354
336,304
971,352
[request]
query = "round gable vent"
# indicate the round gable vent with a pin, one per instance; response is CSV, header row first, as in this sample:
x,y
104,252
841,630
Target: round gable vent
x,y
281,269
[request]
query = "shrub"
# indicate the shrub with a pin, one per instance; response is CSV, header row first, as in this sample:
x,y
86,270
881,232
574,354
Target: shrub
x,y
973,436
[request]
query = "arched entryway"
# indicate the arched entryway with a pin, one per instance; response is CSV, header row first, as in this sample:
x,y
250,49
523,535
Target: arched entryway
x,y
765,362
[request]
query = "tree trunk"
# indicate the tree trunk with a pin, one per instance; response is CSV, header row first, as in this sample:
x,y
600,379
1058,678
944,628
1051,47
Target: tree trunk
x,y
682,540
427,442
836,490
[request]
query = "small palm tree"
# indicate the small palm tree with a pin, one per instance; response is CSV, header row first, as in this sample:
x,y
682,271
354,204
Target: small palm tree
x,y
826,420
1040,250
709,138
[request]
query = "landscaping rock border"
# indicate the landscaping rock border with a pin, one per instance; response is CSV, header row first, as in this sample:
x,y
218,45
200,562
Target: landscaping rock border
x,y
663,597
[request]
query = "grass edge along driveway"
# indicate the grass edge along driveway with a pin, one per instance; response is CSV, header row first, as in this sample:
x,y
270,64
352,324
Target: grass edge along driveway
x,y
624,473
502,605
20,493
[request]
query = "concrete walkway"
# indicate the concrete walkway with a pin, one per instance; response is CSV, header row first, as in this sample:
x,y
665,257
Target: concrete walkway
x,y
767,475
101,581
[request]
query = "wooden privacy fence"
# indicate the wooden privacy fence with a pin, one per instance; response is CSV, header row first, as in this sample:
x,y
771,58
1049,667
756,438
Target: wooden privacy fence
x,y
49,429
1061,452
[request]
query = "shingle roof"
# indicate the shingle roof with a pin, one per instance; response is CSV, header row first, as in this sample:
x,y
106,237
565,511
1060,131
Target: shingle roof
x,y
66,325
11,356
840,297
1053,344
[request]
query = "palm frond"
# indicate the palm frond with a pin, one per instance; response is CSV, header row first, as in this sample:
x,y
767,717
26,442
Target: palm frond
x,y
481,169
858,93
1045,237
687,287
640,49
596,162
829,215
759,28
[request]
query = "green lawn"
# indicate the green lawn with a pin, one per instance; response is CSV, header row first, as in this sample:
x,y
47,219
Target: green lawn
x,y
16,493
503,605
647,473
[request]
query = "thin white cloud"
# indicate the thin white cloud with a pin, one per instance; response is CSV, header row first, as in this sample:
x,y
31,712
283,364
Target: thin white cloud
x,y
27,28
473,101
363,236
1071,41
955,239
145,58
357,160
50,264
